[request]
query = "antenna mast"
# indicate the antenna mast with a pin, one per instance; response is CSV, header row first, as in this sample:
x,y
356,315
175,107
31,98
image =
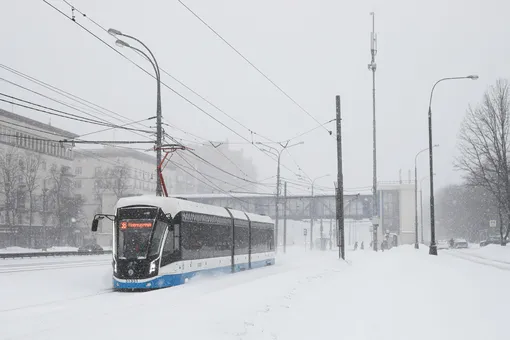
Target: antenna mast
x,y
372,67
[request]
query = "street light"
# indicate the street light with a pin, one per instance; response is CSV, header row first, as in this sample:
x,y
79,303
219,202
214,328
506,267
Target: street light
x,y
312,205
416,245
421,206
154,63
433,245
278,154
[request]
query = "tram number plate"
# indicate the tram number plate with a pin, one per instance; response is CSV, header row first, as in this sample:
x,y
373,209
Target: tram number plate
x,y
132,281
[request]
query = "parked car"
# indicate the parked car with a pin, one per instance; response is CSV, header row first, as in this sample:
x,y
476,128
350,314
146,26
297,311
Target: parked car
x,y
443,244
460,243
491,240
92,247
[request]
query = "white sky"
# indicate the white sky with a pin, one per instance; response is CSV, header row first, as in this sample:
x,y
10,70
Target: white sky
x,y
314,50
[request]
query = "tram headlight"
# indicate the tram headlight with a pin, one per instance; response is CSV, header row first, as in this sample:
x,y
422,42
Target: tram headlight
x,y
152,267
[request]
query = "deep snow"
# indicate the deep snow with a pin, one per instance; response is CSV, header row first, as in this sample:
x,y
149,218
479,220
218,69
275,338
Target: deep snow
x,y
398,294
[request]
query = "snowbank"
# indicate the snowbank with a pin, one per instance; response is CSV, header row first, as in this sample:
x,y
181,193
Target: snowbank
x,y
11,250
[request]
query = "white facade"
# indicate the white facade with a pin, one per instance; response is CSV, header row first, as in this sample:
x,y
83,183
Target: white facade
x,y
27,140
104,175
397,210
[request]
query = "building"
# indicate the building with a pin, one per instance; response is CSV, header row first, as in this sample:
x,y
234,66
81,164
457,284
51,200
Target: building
x,y
228,170
32,160
104,175
396,210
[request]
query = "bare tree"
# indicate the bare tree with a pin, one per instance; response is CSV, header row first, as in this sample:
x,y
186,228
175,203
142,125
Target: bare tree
x,y
65,204
484,145
118,180
31,176
10,180
101,185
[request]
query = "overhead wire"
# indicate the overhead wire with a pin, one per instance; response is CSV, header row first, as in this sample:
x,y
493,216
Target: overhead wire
x,y
70,106
153,76
93,106
249,62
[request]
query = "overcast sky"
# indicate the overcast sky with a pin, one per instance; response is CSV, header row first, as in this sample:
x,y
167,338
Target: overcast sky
x,y
313,50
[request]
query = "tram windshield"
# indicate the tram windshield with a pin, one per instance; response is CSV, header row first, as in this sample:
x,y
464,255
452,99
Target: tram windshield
x,y
135,227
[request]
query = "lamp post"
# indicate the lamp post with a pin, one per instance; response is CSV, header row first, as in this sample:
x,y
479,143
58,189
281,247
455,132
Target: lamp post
x,y
433,245
421,206
154,63
416,242
278,154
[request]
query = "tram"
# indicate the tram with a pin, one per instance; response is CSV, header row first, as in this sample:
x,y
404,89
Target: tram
x,y
164,241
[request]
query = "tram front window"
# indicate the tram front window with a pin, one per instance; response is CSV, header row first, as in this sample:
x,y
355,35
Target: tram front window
x,y
133,243
135,227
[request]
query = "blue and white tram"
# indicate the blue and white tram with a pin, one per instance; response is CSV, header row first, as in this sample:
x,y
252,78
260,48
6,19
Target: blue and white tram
x,y
162,241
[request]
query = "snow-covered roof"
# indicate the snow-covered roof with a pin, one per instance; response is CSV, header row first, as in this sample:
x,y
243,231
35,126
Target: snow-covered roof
x,y
259,218
173,206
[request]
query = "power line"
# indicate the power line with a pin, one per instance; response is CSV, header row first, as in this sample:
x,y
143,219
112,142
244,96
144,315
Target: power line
x,y
176,79
250,63
95,107
153,76
68,105
59,113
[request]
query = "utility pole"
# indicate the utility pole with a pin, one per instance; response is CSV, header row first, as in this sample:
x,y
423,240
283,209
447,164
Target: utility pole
x,y
372,67
285,218
278,154
312,206
340,189
277,203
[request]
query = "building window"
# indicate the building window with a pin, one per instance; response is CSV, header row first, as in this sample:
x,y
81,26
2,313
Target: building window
x,y
43,165
77,184
78,170
97,171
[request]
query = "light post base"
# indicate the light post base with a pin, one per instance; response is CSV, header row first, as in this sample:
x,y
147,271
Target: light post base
x,y
416,246
433,249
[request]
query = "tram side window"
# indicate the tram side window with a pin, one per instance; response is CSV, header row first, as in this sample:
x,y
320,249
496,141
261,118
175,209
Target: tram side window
x,y
222,239
262,239
241,239
205,241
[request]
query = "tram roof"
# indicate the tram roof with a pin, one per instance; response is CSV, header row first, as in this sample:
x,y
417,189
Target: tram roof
x,y
174,205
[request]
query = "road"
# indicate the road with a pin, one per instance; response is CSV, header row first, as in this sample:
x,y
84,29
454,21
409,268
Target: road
x,y
398,294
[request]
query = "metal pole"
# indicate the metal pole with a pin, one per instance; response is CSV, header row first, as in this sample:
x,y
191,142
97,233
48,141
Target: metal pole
x,y
312,201
277,202
416,246
340,191
285,218
373,66
421,214
330,234
159,136
433,246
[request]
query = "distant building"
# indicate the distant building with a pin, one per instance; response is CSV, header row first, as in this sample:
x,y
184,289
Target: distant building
x,y
28,151
228,169
104,175
396,210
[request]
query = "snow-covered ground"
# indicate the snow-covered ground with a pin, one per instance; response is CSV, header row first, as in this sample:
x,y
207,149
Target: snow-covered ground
x,y
10,250
398,294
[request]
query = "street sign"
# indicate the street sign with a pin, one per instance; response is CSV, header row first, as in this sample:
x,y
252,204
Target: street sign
x,y
492,223
305,231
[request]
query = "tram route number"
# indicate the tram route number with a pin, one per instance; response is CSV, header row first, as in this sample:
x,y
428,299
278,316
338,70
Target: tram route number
x,y
131,281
